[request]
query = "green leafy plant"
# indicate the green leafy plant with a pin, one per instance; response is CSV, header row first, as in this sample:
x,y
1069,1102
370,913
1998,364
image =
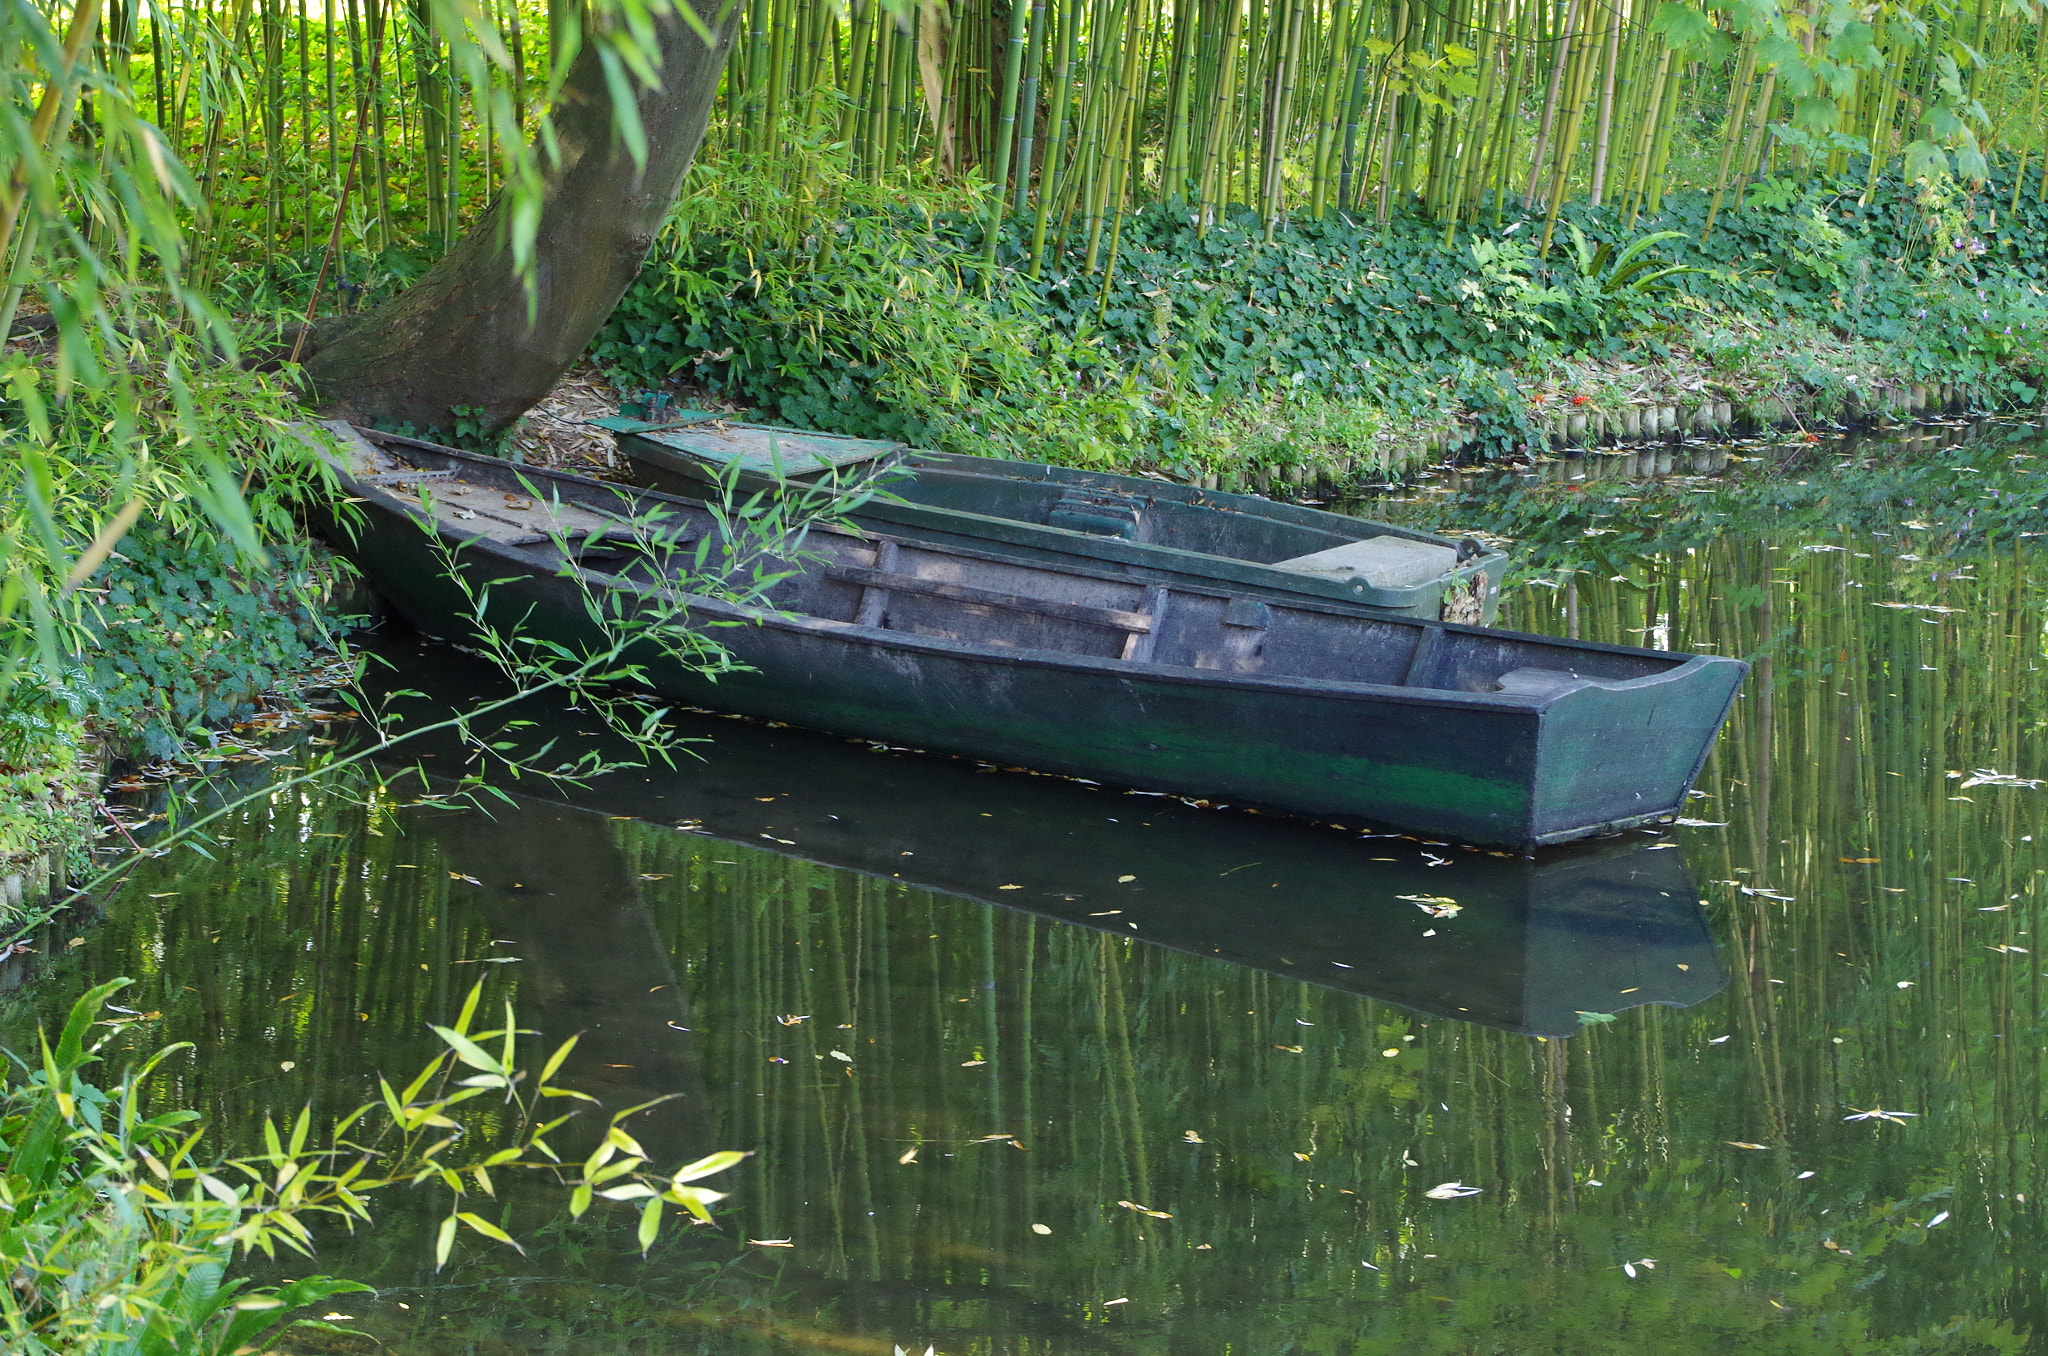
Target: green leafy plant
x,y
118,1230
1613,290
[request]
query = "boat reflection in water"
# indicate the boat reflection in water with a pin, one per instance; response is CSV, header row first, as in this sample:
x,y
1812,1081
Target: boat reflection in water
x,y
1525,944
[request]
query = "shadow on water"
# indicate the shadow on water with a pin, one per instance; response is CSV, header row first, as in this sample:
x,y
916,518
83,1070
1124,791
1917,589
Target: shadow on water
x,y
1537,940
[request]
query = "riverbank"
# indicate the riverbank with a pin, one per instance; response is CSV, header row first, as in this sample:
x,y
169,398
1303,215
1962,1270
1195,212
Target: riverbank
x,y
1329,351
141,633
189,663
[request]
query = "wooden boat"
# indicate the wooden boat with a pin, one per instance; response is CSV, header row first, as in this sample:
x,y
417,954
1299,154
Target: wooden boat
x,y
1314,708
1129,525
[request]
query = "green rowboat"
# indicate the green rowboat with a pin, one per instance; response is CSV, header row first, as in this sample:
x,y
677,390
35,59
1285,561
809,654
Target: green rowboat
x,y
1130,525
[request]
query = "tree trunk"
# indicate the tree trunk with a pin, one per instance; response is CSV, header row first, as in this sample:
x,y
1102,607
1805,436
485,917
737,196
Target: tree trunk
x,y
459,344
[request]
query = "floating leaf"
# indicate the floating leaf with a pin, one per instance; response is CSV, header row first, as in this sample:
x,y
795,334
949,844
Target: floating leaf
x,y
1450,1191
1985,776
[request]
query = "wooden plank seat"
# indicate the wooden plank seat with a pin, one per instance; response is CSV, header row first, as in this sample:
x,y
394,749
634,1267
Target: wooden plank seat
x,y
890,582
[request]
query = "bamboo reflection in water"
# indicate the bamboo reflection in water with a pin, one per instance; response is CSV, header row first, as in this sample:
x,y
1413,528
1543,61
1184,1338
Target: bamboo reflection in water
x,y
1297,1130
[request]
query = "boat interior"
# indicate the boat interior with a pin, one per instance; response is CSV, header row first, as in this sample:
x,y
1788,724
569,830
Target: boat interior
x,y
1182,517
642,539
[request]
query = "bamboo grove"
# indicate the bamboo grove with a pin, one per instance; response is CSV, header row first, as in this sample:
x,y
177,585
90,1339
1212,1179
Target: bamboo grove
x,y
382,125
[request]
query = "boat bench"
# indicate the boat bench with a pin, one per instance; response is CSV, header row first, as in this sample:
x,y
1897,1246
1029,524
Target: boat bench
x,y
1140,628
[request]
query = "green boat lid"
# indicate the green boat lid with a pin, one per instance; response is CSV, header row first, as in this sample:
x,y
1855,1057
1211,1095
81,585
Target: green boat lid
x,y
717,443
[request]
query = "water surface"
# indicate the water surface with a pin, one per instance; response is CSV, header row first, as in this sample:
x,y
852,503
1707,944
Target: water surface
x,y
1657,1058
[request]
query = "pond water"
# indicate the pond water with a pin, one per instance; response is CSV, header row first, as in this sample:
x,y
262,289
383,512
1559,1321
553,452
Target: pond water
x,y
1032,1066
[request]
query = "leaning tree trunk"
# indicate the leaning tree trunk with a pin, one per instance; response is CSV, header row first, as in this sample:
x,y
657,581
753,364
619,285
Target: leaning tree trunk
x,y
462,338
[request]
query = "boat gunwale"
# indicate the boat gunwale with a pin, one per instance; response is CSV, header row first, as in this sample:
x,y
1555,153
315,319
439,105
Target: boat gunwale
x,y
1174,674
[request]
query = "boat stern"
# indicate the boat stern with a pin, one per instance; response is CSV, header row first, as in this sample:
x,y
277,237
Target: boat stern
x,y
1615,754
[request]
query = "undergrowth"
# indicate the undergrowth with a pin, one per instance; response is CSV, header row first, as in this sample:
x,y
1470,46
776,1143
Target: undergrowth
x,y
870,309
152,556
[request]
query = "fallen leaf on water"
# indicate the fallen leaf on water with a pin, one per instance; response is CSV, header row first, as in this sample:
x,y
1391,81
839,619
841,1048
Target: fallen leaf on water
x,y
2020,949
1107,1303
1193,1138
972,1063
1290,1049
1859,861
793,1019
1040,1229
662,876
908,1155
1985,776
1700,823
841,1056
165,894
1436,906
1125,880
1450,1191
1738,1144
1145,1210
770,1243
1009,887
1936,1220
457,875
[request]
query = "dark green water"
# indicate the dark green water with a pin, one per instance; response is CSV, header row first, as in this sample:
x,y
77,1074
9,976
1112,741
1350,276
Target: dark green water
x,y
1254,1033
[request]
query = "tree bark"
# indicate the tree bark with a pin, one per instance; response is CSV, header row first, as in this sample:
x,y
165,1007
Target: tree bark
x,y
459,345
